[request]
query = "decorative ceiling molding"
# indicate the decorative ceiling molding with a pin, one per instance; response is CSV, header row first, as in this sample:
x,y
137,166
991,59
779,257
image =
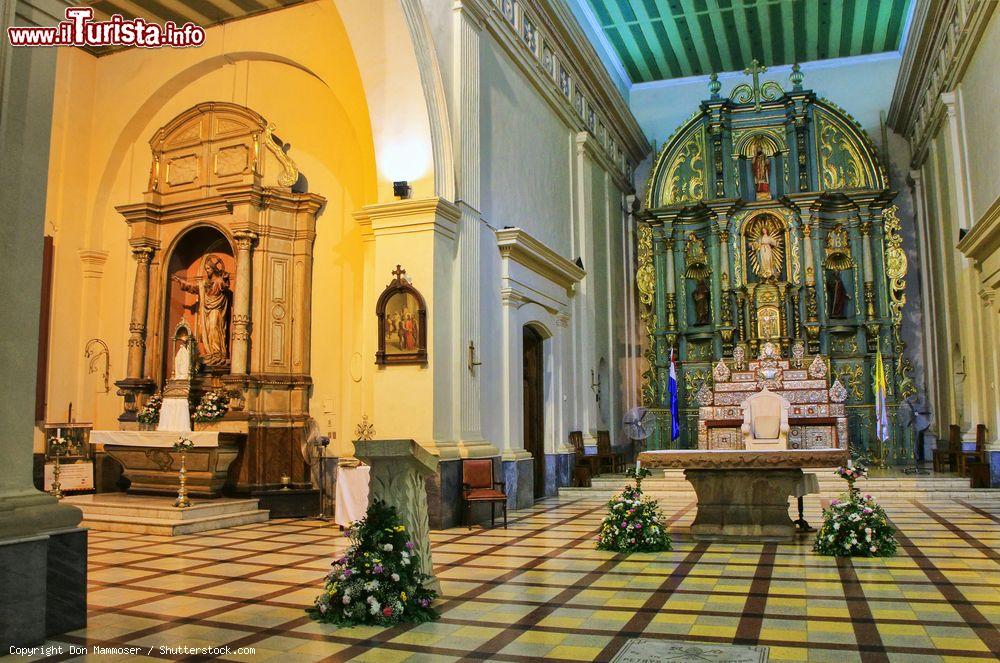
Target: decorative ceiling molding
x,y
676,38
943,38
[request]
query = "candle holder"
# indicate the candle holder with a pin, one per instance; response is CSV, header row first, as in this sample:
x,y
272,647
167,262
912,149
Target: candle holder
x,y
286,482
182,446
57,447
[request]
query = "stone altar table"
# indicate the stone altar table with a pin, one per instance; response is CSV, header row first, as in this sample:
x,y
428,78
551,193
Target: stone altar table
x,y
743,495
151,465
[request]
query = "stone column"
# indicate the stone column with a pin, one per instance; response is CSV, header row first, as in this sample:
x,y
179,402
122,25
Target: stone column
x,y
140,305
241,301
36,601
867,273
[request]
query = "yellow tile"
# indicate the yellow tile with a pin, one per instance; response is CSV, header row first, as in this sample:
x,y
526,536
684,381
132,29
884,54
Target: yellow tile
x,y
574,653
832,627
971,644
675,618
542,637
901,629
716,630
794,635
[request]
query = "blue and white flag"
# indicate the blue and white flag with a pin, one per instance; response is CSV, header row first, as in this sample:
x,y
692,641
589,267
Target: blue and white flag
x,y
675,422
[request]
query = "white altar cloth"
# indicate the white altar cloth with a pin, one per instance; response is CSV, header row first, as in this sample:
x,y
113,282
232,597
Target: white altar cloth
x,y
152,438
352,494
175,415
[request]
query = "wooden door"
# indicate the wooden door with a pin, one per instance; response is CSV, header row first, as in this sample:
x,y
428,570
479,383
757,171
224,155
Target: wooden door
x,y
534,406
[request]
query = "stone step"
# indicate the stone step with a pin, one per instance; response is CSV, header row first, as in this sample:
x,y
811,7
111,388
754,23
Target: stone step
x,y
118,512
689,495
162,507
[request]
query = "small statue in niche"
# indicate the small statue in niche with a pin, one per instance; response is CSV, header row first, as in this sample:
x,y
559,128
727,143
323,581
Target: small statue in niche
x,y
212,308
767,248
761,167
702,296
836,295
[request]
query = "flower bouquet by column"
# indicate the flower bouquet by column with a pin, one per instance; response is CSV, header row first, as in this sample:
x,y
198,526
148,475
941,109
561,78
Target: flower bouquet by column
x,y
213,406
634,523
855,525
378,580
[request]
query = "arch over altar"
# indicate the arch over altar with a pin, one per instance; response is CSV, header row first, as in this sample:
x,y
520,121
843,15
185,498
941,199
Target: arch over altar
x,y
769,222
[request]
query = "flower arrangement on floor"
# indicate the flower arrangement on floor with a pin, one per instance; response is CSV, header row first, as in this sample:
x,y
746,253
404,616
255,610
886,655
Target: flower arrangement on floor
x,y
855,525
378,580
634,523
150,412
213,405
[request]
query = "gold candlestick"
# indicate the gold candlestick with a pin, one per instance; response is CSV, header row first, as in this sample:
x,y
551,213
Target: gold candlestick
x,y
182,493
182,446
56,486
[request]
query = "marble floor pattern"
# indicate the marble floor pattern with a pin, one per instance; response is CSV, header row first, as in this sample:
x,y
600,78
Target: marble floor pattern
x,y
539,590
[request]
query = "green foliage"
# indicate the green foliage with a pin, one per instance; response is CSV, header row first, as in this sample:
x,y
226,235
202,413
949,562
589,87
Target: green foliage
x,y
150,412
634,523
378,580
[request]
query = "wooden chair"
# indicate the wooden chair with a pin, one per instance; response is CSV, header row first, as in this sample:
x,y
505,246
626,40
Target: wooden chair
x,y
950,456
607,454
979,455
584,466
478,485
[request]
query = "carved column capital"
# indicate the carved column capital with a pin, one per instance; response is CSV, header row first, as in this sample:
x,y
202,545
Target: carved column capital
x,y
245,239
865,227
143,254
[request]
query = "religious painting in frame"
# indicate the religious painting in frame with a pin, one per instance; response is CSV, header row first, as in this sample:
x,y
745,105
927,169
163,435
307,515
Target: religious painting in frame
x,y
402,323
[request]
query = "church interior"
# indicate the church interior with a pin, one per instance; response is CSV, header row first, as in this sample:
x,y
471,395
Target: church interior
x,y
500,330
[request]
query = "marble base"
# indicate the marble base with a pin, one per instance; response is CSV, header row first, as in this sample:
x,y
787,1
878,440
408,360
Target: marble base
x,y
519,482
44,586
993,458
743,504
444,494
291,503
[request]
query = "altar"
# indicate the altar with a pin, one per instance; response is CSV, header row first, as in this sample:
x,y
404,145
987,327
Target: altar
x,y
743,495
149,462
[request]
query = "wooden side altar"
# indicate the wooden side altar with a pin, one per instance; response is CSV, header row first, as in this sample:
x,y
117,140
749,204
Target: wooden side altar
x,y
743,495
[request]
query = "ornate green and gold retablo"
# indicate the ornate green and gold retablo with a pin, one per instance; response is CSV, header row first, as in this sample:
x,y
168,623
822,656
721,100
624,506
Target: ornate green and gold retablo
x,y
769,222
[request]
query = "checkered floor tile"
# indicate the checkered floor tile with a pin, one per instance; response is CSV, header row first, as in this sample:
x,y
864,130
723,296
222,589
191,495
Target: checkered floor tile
x,y
540,590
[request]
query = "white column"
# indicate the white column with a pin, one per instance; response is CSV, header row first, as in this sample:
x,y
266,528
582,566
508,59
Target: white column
x,y
925,269
583,303
468,17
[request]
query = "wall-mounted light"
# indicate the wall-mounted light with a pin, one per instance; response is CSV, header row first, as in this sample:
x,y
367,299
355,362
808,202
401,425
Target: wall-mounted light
x,y
401,189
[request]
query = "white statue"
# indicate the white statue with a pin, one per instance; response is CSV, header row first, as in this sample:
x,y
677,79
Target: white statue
x,y
182,363
766,246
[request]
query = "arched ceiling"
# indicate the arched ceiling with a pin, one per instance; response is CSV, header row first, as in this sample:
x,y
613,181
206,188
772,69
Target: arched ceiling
x,y
662,39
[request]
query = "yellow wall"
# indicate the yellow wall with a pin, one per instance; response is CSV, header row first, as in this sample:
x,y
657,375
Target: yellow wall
x,y
299,68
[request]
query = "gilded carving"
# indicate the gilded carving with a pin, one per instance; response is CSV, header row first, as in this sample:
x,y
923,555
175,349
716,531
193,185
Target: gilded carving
x,y
838,250
840,163
851,376
289,173
645,279
695,258
685,175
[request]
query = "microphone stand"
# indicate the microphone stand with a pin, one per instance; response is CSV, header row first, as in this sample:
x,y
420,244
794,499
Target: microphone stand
x,y
321,445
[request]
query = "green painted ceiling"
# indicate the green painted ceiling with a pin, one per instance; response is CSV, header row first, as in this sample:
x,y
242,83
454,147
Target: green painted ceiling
x,y
660,39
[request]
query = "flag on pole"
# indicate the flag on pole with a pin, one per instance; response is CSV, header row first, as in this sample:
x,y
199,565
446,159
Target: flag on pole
x,y
881,411
675,423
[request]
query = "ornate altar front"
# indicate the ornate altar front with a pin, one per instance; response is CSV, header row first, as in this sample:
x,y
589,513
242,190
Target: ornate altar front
x,y
223,242
769,220
817,417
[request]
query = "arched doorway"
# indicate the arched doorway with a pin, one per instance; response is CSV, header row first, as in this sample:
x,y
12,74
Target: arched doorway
x,y
534,404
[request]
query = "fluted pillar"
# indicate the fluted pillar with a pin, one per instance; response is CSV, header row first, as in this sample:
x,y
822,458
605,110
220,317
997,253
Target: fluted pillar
x,y
241,301
468,22
868,274
140,305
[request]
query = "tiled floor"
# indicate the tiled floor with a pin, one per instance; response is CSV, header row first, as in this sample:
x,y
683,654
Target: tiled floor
x,y
540,590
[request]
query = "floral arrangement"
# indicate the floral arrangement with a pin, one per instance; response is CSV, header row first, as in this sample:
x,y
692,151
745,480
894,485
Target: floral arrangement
x,y
213,405
150,412
183,444
378,580
855,525
634,523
